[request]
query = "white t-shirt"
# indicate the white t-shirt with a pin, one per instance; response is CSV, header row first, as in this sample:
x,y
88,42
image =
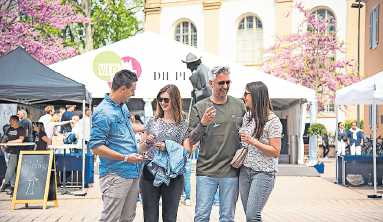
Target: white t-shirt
x,y
45,120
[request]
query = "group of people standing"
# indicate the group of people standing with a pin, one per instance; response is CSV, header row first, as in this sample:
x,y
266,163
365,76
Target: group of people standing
x,y
350,141
219,125
21,130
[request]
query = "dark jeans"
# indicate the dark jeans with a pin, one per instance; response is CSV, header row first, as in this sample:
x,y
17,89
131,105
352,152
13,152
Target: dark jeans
x,y
326,150
170,195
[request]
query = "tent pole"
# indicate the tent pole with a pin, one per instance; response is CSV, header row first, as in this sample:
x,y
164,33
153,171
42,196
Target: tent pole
x,y
83,146
336,142
375,195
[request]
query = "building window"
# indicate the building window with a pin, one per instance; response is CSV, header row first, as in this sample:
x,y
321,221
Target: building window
x,y
327,15
186,33
250,40
329,108
374,27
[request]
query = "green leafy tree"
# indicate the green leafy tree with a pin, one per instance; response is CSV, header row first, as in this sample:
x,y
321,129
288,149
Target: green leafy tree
x,y
113,20
316,129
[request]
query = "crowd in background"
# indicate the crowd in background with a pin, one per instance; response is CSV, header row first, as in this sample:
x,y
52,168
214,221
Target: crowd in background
x,y
66,124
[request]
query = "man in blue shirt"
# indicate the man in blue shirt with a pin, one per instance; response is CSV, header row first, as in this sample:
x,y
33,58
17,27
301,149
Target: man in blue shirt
x,y
112,138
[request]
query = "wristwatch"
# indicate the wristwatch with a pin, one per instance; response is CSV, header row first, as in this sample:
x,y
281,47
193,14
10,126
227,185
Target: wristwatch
x,y
125,158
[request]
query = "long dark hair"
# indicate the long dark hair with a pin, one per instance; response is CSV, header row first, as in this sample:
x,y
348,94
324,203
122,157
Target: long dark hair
x,y
175,99
40,126
261,105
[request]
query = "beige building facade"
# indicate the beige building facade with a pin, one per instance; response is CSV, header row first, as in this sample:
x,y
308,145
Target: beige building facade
x,y
373,54
241,31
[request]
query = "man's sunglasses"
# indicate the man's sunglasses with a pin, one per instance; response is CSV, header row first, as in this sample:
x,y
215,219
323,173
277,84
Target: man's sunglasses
x,y
221,83
165,100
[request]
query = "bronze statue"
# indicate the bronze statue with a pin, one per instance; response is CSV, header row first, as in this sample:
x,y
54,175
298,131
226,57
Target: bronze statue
x,y
199,78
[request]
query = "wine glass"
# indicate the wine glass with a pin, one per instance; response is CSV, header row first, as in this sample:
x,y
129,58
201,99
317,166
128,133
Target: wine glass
x,y
215,124
243,130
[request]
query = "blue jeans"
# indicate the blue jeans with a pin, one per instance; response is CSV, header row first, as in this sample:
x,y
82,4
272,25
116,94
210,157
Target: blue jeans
x,y
228,195
10,174
187,175
255,188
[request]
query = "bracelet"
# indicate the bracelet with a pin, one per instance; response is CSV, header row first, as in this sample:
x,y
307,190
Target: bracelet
x,y
125,158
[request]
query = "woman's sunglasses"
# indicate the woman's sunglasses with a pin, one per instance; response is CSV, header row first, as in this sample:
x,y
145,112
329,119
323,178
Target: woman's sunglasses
x,y
165,100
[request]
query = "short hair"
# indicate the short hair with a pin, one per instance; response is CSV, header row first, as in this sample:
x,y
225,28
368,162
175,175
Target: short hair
x,y
123,78
48,109
14,117
215,71
24,112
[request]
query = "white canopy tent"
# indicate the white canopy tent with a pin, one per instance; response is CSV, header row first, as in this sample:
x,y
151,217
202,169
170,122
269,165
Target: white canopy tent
x,y
157,62
369,92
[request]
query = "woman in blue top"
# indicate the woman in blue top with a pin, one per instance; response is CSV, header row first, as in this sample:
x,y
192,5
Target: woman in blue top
x,y
166,127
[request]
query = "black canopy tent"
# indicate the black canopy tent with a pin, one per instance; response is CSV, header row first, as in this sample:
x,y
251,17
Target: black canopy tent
x,y
25,80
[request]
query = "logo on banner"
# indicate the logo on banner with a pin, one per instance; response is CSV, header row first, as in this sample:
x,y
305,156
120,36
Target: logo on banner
x,y
107,63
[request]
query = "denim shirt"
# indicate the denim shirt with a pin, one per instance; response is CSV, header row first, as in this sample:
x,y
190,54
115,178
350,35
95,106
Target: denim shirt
x,y
111,127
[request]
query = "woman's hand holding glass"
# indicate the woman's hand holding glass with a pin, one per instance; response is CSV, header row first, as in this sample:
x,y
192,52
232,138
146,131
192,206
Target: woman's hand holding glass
x,y
149,139
245,137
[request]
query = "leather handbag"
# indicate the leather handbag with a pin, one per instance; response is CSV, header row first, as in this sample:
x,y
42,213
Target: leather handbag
x,y
239,157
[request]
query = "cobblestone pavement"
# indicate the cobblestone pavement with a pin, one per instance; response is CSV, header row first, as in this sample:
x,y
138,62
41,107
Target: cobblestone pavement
x,y
293,199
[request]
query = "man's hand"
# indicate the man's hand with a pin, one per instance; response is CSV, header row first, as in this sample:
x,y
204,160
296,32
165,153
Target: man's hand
x,y
134,158
209,116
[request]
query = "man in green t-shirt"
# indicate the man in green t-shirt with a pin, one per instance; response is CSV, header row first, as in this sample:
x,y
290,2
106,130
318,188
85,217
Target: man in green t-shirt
x,y
214,123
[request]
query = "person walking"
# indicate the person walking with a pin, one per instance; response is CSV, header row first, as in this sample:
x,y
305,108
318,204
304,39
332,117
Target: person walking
x,y
112,138
261,133
166,144
214,122
325,145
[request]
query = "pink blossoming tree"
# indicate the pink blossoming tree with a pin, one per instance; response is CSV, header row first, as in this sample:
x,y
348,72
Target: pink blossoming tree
x,y
37,25
313,57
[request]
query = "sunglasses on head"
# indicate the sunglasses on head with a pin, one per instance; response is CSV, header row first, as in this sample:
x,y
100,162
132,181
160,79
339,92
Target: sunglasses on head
x,y
162,99
221,83
220,69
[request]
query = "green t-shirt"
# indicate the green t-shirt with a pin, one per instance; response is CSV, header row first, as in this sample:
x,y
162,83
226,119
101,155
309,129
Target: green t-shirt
x,y
220,139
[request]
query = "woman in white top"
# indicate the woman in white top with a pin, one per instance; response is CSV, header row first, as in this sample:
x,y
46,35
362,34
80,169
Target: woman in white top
x,y
52,127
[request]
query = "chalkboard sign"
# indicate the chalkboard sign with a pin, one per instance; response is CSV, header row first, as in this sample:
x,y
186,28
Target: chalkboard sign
x,y
35,179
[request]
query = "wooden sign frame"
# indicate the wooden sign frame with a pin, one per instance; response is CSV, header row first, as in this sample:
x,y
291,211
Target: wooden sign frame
x,y
51,170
